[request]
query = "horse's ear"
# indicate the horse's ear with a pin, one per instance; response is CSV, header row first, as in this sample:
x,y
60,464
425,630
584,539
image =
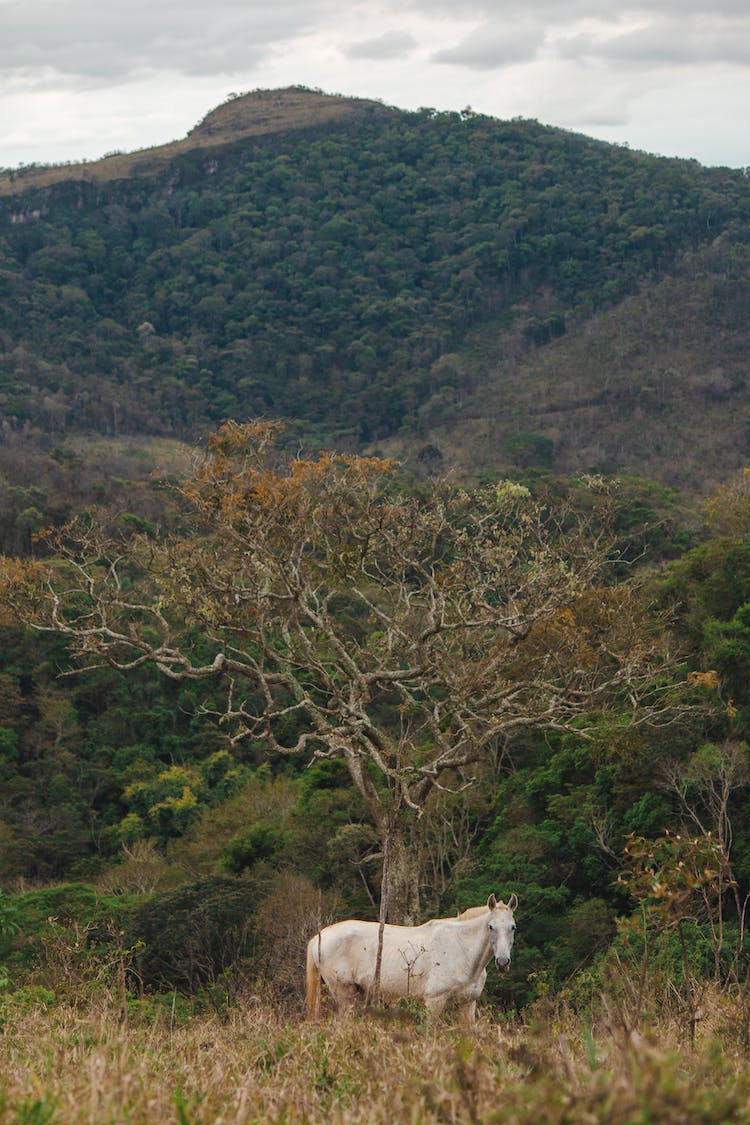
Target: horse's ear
x,y
513,901
492,902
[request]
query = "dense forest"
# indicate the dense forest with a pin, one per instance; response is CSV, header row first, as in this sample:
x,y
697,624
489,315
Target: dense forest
x,y
320,274
261,689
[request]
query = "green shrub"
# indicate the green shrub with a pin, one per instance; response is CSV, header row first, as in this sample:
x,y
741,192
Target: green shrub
x,y
193,934
246,848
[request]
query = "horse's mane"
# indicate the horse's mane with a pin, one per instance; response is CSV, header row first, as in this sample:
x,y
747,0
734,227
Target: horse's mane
x,y
463,915
473,911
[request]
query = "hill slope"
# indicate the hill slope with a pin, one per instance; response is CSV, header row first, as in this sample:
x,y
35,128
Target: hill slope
x,y
657,385
367,273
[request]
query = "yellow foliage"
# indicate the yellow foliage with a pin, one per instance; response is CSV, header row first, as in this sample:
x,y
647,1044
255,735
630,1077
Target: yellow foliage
x,y
240,475
728,510
708,680
19,583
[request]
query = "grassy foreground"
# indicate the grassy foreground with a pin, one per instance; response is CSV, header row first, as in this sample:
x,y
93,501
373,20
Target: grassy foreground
x,y
65,1062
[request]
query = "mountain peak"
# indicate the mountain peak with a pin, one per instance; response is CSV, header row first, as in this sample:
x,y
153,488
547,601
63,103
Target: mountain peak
x,y
241,115
271,111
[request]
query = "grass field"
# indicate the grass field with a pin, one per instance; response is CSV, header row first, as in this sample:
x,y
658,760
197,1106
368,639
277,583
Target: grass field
x,y
91,1060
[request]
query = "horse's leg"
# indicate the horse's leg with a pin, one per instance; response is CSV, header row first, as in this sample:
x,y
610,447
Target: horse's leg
x,y
345,998
434,1005
467,1013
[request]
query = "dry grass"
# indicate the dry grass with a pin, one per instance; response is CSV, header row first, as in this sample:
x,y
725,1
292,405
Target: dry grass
x,y
79,1063
133,455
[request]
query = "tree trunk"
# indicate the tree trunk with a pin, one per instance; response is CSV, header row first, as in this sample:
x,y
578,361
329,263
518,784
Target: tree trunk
x,y
398,831
399,891
399,888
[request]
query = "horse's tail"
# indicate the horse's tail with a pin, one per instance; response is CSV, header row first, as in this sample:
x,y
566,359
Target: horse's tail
x,y
313,980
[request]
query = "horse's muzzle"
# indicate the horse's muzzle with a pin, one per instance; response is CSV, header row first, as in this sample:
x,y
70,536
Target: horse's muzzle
x,y
503,963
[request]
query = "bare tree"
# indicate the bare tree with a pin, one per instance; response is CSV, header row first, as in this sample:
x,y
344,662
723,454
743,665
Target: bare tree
x,y
406,633
705,786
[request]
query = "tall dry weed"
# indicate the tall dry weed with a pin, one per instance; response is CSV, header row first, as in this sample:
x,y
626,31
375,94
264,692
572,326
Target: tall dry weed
x,y
70,1065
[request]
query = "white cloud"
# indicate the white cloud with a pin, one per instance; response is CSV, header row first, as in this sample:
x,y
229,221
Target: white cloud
x,y
389,45
667,41
105,38
495,45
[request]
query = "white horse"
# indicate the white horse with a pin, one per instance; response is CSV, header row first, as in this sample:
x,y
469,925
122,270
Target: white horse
x,y
444,960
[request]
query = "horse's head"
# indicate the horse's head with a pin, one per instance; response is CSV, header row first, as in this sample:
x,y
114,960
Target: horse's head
x,y
502,929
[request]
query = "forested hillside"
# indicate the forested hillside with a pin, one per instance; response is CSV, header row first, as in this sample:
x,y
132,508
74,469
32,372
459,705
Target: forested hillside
x,y
338,270
656,385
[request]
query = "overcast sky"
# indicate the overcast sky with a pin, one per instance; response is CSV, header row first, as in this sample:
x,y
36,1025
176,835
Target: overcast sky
x,y
80,78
